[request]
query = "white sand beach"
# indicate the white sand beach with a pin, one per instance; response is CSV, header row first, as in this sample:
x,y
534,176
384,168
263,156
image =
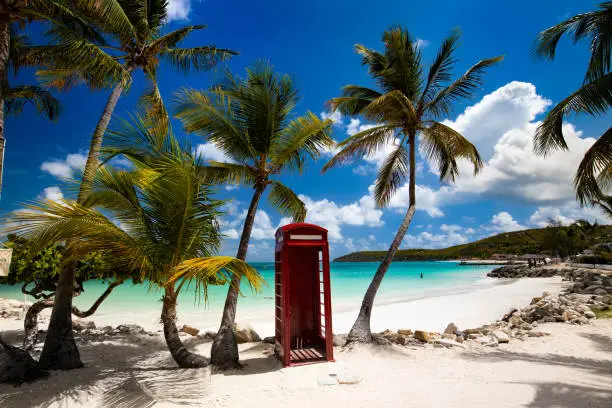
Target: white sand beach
x,y
570,368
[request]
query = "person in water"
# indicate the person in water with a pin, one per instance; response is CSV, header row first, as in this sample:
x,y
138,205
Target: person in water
x,y
421,275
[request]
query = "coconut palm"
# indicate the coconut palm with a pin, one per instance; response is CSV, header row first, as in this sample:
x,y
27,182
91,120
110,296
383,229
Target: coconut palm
x,y
79,53
158,219
407,103
133,38
593,98
253,122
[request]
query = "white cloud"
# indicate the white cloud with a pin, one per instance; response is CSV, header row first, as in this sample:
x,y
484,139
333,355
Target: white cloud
x,y
65,168
334,116
262,226
566,214
449,236
52,193
209,151
420,43
179,9
328,214
504,222
231,233
502,126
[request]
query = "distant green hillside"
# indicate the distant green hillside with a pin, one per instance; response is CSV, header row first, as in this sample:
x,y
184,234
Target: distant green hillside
x,y
567,240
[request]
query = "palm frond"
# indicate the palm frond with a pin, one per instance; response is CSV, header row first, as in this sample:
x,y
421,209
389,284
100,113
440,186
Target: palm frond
x,y
287,202
593,98
391,175
231,173
462,88
596,160
364,143
211,115
45,103
594,25
441,69
153,105
197,58
392,107
201,270
173,38
354,99
303,137
444,146
109,15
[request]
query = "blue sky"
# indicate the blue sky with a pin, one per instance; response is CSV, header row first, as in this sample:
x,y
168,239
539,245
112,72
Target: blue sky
x,y
314,42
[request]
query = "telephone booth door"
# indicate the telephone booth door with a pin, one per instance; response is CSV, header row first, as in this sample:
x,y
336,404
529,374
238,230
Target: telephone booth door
x,y
302,295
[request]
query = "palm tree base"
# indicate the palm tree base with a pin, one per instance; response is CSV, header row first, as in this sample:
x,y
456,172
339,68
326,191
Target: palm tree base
x,y
360,332
60,352
224,353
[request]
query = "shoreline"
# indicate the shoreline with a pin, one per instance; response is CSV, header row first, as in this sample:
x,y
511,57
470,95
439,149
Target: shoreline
x,y
468,306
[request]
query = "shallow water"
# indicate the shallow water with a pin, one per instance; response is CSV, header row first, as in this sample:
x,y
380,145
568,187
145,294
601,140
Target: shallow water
x,y
349,281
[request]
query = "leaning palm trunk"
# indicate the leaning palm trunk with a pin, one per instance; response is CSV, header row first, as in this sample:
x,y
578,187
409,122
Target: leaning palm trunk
x,y
180,354
361,332
30,323
224,351
60,351
4,55
93,157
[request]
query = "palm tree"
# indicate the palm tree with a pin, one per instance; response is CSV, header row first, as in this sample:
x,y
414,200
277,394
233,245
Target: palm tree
x,y
252,121
158,219
405,105
593,98
134,28
16,52
135,39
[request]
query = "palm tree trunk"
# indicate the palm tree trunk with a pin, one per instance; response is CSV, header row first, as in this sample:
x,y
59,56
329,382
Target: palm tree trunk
x,y
361,332
4,55
224,351
60,351
30,323
93,157
183,358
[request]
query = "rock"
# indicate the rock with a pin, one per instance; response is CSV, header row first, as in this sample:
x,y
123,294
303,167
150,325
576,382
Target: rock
x,y
130,328
483,340
189,330
590,315
339,340
537,334
473,336
405,332
269,340
422,335
501,336
600,292
460,339
81,324
449,343
451,329
210,335
17,366
394,337
245,333
508,315
535,300
449,336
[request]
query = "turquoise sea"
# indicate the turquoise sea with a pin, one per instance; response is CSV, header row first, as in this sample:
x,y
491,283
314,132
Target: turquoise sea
x,y
139,303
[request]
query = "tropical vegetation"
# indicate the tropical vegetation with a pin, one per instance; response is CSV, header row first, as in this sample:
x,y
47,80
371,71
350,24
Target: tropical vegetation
x,y
407,105
594,98
252,121
553,240
157,218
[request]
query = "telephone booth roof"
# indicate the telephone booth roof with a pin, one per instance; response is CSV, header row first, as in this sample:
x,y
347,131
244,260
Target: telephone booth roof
x,y
303,232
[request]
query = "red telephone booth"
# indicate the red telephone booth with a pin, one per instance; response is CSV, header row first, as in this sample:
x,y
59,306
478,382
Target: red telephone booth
x,y
303,299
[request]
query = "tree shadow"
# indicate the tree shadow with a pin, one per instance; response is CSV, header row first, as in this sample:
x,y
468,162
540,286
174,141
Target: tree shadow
x,y
598,367
562,395
602,342
121,371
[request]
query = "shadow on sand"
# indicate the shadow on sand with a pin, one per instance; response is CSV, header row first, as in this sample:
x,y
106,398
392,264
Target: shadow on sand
x,y
126,371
